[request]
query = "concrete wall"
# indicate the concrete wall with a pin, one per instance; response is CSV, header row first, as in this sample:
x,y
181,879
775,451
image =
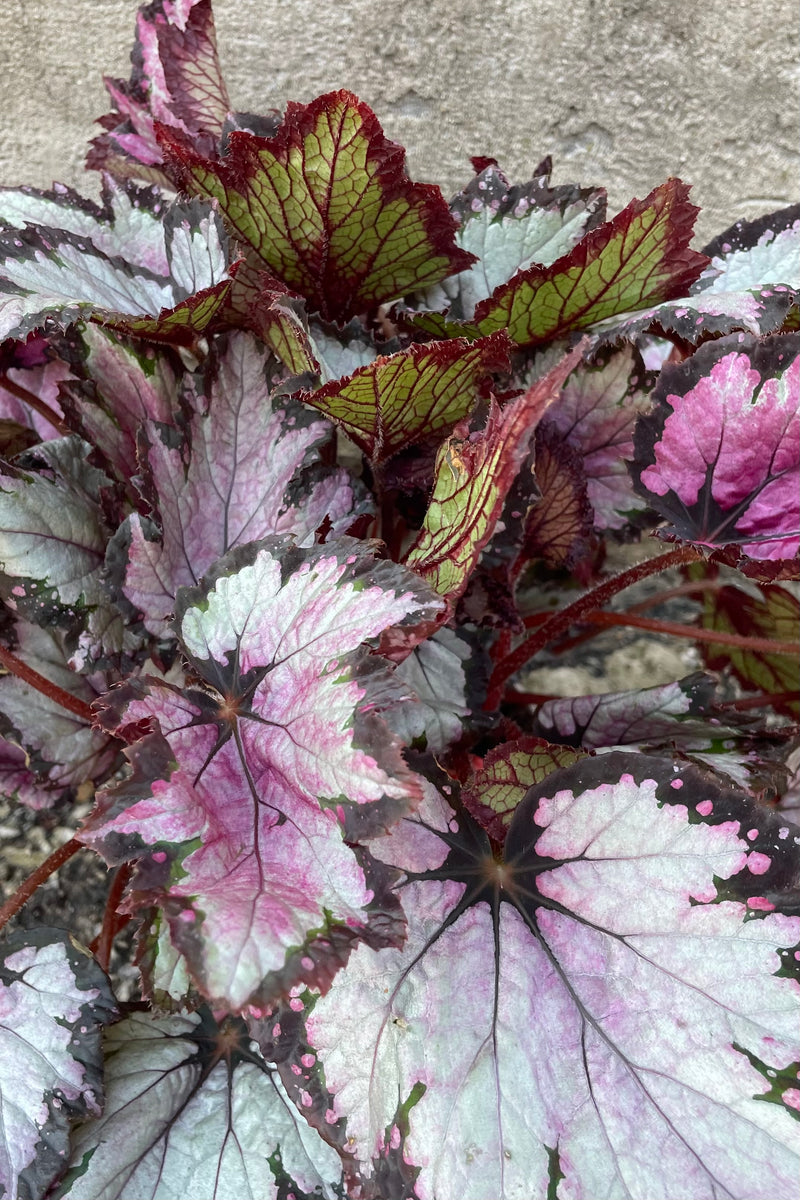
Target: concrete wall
x,y
622,92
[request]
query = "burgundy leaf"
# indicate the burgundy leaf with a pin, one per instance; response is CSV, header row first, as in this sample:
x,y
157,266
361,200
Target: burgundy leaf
x,y
175,80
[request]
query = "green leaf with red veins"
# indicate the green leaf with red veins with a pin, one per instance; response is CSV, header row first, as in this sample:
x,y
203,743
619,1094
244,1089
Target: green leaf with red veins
x,y
775,613
596,414
327,206
248,466
618,996
271,766
62,750
639,258
170,1079
474,473
133,262
176,79
752,283
414,395
493,792
718,457
508,228
53,1001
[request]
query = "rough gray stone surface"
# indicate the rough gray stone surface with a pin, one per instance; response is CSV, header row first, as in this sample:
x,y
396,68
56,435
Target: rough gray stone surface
x,y
622,92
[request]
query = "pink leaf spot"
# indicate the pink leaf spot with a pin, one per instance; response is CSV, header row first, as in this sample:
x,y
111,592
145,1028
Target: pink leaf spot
x,y
159,856
276,1031
296,1070
330,1116
308,1060
676,783
792,1097
760,902
296,1004
705,807
187,915
752,834
307,963
306,1100
759,864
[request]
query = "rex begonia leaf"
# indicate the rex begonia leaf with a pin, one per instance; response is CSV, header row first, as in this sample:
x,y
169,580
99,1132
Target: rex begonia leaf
x,y
413,395
678,719
596,414
52,546
448,676
718,456
242,813
774,614
52,536
326,205
474,472
176,80
33,367
558,526
194,1111
751,283
123,384
134,262
508,228
626,718
62,750
53,1001
248,466
638,259
608,1010
493,791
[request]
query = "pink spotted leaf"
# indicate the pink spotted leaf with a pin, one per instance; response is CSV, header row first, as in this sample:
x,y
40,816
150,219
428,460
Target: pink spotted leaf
x,y
612,1005
718,457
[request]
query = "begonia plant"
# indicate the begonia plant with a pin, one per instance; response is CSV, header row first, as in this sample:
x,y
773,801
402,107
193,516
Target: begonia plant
x,y
302,469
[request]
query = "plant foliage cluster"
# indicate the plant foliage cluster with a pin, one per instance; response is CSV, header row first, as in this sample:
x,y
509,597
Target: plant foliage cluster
x,y
301,467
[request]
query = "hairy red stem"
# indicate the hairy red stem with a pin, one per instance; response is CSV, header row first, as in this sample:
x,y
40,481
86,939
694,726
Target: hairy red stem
x,y
112,922
37,878
53,692
631,621
561,621
36,403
